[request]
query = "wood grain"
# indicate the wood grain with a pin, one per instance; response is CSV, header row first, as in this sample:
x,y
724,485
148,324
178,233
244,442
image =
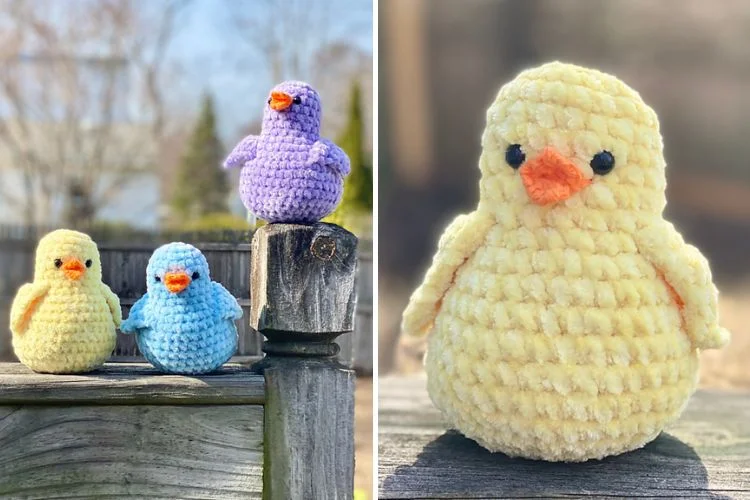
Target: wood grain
x,y
303,279
129,384
137,451
705,454
309,430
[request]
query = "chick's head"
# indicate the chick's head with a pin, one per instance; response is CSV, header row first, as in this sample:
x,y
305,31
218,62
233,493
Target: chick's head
x,y
177,269
293,105
563,136
67,257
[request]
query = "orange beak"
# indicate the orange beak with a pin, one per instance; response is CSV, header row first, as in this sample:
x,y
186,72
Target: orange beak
x,y
176,282
280,101
550,177
73,269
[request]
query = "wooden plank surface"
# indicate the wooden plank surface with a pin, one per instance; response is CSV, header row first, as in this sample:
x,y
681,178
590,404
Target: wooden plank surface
x,y
706,454
309,430
128,384
139,451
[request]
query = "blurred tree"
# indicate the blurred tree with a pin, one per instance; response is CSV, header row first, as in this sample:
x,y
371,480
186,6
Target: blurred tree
x,y
358,185
357,198
335,67
201,187
78,211
82,100
288,33
218,221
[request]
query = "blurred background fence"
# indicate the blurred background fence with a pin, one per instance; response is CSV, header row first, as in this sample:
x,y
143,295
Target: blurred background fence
x,y
441,64
124,270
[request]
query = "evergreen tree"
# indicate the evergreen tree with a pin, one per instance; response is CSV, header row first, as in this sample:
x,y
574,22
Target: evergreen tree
x,y
201,187
357,198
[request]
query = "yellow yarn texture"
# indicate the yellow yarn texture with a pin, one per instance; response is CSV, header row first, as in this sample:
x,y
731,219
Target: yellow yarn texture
x,y
566,330
65,321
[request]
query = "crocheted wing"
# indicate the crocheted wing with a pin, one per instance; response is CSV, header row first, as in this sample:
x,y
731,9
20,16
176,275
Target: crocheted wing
x,y
137,319
242,152
24,305
330,155
114,304
459,242
228,305
688,277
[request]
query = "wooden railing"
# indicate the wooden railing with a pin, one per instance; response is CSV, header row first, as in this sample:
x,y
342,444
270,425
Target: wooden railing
x,y
282,428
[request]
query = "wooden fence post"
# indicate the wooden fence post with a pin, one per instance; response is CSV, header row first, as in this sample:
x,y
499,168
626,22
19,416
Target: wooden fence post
x,y
303,297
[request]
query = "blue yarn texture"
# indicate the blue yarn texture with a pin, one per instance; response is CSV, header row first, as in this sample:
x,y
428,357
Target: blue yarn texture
x,y
187,331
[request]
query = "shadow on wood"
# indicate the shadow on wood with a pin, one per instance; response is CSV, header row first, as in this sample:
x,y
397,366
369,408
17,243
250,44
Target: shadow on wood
x,y
453,466
704,454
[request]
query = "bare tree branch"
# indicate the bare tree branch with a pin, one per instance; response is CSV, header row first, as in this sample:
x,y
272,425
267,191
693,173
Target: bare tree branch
x,y
288,33
70,83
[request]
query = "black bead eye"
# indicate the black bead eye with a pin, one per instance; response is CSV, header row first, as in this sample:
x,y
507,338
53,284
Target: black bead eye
x,y
297,100
58,263
88,263
603,162
514,155
157,278
196,275
269,100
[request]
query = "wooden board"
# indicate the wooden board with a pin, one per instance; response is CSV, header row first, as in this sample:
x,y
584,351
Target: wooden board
x,y
129,383
141,451
706,454
309,429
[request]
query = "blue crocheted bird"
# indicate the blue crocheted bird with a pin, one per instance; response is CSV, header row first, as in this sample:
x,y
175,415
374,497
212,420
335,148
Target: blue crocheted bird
x,y
185,323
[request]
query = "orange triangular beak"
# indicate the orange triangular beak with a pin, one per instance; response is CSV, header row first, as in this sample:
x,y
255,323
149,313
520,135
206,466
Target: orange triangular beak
x,y
176,282
550,177
73,269
280,101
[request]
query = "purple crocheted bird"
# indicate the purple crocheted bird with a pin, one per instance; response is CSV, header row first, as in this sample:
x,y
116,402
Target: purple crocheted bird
x,y
290,174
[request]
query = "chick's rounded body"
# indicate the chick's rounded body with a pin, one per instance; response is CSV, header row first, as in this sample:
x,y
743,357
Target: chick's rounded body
x,y
187,336
72,330
561,335
272,187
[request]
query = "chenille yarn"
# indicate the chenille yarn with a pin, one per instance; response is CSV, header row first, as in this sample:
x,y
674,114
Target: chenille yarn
x,y
185,323
65,320
566,313
289,173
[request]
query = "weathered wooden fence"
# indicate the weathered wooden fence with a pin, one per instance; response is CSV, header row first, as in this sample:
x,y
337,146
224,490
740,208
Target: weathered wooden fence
x,y
124,270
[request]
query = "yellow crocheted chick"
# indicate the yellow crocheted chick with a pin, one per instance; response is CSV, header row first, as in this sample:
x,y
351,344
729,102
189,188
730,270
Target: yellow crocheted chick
x,y
566,313
64,322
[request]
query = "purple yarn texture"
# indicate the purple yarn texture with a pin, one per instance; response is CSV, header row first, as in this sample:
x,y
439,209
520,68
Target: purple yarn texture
x,y
290,174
